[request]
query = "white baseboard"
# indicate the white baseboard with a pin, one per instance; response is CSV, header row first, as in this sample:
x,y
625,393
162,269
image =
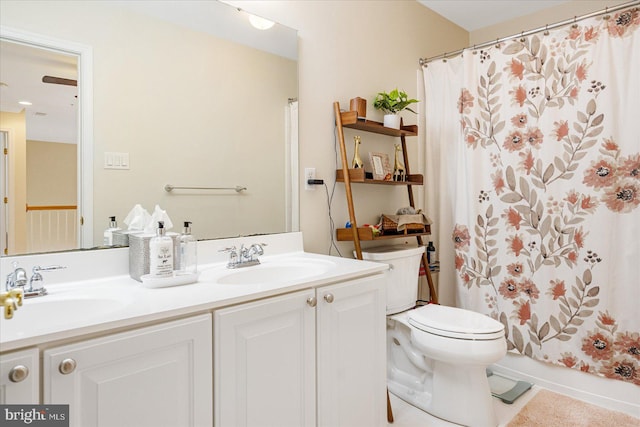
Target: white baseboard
x,y
608,393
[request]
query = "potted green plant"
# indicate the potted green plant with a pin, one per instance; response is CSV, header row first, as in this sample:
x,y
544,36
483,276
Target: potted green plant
x,y
391,104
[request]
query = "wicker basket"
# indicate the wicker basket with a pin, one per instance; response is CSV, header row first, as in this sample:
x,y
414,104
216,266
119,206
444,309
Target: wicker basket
x,y
389,226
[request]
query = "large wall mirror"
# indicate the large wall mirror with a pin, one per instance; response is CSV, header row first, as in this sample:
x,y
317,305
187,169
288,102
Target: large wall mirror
x,y
156,93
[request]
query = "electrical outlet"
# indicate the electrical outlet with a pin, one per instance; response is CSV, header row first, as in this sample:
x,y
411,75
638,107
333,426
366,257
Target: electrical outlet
x,y
309,173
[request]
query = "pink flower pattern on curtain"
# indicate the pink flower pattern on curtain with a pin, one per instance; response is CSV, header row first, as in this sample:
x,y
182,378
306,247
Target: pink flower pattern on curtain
x,y
550,123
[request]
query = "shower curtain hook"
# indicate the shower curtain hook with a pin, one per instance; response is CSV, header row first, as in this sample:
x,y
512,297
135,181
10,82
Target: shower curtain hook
x,y
522,39
606,14
546,30
575,23
475,52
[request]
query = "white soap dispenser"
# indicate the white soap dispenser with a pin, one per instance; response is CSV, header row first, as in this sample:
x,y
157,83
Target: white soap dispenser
x,y
188,251
108,233
161,254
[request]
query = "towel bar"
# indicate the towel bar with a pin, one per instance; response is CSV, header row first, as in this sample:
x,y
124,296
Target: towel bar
x,y
169,188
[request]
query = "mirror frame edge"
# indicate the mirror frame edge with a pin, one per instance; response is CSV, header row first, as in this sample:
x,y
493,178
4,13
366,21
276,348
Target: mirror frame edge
x,y
85,120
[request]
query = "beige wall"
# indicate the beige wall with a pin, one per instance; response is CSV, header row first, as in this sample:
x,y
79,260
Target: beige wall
x,y
14,124
51,173
349,49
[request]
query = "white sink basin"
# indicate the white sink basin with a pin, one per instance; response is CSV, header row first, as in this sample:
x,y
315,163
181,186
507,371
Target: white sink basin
x,y
268,272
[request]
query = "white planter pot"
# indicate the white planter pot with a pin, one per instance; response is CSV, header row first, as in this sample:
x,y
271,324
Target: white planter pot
x,y
391,121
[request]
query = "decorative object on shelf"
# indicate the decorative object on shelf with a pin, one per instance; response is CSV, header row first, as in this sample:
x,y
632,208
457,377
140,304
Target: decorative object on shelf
x,y
391,104
414,223
380,165
356,163
375,229
407,210
399,173
359,105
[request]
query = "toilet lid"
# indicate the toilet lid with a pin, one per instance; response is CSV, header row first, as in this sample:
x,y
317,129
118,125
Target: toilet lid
x,y
455,322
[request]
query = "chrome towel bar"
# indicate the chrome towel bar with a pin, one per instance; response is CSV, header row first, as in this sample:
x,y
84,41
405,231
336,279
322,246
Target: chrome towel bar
x,y
169,188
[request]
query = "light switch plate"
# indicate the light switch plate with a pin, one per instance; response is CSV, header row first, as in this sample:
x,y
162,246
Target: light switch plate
x,y
116,161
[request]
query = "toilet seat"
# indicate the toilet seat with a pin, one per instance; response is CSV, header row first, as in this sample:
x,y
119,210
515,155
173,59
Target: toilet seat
x,y
455,323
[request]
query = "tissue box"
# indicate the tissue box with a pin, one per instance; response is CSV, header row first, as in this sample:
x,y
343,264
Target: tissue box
x,y
139,253
121,237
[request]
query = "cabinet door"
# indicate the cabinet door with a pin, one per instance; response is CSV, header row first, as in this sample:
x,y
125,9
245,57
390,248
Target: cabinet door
x,y
264,355
352,354
20,377
155,376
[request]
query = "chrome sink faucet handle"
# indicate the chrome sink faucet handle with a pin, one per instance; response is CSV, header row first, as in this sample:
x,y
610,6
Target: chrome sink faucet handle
x,y
17,278
256,249
36,287
233,255
252,252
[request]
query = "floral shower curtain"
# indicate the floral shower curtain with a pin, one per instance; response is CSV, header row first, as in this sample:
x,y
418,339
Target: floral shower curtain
x,y
536,147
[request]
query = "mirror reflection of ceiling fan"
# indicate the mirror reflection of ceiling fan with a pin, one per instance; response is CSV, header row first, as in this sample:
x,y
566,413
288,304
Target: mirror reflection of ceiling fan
x,y
59,81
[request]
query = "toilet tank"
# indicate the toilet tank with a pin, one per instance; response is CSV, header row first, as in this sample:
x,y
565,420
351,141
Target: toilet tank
x,y
402,276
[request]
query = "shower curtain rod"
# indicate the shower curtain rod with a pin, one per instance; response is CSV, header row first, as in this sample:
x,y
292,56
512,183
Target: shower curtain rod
x,y
424,61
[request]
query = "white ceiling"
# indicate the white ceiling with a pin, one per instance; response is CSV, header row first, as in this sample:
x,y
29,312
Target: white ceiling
x,y
53,114
475,14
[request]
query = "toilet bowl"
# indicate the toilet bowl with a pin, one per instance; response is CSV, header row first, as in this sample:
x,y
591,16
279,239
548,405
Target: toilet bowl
x,y
436,355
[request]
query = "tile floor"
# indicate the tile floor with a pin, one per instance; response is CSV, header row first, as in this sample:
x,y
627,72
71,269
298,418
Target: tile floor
x,y
406,415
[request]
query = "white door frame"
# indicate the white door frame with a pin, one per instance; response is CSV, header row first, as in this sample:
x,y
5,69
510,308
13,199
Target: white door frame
x,y
85,119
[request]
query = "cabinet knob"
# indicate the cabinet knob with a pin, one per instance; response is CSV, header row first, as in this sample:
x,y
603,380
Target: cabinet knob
x,y
18,373
67,366
328,298
311,301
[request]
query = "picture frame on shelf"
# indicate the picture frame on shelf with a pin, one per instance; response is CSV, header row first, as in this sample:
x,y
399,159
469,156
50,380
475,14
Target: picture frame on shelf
x,y
380,166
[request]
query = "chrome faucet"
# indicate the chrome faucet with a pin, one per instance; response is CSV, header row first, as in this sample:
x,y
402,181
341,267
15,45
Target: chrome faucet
x,y
244,257
31,287
18,278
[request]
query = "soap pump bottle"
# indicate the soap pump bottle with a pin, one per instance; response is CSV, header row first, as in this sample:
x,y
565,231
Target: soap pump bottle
x,y
188,251
108,233
161,254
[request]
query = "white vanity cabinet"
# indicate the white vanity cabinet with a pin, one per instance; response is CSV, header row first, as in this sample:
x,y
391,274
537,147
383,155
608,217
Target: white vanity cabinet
x,y
351,354
281,359
264,353
19,377
153,376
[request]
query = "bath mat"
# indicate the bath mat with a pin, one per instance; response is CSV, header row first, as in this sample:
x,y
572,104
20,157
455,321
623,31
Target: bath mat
x,y
506,389
549,409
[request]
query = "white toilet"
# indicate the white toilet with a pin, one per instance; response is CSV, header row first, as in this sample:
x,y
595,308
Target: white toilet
x,y
436,355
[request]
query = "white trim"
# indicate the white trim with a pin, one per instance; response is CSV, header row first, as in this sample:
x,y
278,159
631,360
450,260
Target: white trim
x,y
85,119
609,393
292,186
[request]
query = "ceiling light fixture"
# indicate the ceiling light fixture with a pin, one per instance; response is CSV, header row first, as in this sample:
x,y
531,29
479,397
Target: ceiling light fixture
x,y
25,103
260,23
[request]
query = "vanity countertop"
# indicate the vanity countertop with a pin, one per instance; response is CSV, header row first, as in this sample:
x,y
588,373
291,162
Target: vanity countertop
x,y
83,307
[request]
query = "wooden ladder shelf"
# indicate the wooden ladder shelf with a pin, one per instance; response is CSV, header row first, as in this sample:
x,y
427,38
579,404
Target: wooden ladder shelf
x,y
348,176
